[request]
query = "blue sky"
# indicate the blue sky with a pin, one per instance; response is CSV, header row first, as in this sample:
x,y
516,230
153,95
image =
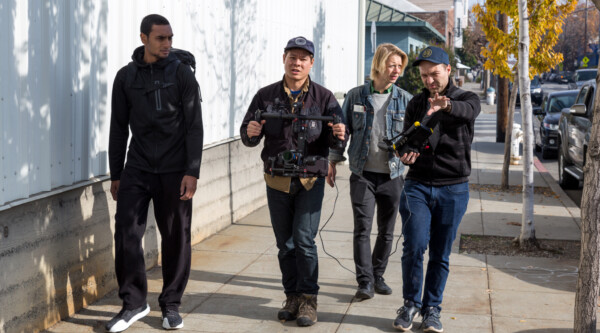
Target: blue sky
x,y
472,2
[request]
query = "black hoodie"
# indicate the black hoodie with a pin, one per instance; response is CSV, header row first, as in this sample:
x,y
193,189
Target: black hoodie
x,y
446,160
165,122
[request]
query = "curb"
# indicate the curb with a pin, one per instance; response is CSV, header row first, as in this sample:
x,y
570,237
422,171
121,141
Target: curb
x,y
571,207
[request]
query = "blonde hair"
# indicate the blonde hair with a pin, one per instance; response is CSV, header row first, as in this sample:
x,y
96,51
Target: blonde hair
x,y
382,54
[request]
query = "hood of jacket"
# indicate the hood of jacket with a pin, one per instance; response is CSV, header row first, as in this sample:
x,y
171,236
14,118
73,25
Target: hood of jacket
x,y
138,59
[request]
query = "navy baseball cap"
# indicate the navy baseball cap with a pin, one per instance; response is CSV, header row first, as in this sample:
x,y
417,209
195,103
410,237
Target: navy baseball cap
x,y
432,54
300,43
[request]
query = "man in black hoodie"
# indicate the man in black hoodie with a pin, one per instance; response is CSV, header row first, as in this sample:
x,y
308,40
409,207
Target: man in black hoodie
x,y
158,99
436,191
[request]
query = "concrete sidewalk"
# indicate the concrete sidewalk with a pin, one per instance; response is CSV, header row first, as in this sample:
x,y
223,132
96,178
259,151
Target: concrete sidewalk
x,y
235,280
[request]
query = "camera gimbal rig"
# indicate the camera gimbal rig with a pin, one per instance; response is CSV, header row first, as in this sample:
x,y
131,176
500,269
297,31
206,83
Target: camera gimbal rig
x,y
411,140
292,163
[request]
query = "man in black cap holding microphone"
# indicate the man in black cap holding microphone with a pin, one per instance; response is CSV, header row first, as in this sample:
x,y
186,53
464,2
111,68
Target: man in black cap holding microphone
x,y
436,190
295,195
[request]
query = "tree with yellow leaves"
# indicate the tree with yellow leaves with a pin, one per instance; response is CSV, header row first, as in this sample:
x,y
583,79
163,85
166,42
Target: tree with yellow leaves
x,y
543,20
546,19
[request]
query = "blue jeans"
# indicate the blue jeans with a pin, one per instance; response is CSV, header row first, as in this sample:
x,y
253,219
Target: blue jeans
x,y
295,219
430,216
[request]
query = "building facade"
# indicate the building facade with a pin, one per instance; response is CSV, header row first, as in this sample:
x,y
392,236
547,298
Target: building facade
x,y
60,58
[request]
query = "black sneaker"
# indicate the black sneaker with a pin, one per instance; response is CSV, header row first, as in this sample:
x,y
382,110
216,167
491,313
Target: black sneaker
x,y
171,319
365,290
406,315
381,287
125,318
431,320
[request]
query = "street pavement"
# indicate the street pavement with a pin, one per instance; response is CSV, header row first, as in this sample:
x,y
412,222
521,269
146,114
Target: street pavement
x,y
235,279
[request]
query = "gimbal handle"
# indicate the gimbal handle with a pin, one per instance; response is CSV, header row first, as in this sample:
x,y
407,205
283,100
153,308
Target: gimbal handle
x,y
260,115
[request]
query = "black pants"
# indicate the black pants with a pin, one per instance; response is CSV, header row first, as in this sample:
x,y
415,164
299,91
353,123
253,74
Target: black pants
x,y
365,191
173,218
295,219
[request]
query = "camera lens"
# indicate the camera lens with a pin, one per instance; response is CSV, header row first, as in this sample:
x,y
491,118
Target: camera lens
x,y
288,156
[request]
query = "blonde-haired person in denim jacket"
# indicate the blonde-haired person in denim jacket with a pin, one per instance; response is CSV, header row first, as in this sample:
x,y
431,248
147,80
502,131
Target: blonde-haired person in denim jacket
x,y
374,111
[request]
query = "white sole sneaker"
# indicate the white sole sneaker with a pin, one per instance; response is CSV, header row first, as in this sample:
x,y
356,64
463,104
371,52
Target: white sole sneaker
x,y
167,327
122,325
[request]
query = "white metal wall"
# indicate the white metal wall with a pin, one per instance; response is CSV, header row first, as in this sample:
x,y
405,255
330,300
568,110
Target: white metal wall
x,y
61,56
53,108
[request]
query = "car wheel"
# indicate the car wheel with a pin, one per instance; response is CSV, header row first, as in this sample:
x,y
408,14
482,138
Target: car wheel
x,y
565,179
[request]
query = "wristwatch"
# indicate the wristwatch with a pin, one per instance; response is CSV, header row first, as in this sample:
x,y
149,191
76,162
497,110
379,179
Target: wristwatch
x,y
448,108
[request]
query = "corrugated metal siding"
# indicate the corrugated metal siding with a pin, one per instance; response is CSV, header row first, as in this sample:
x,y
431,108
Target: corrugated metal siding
x,y
53,95
62,56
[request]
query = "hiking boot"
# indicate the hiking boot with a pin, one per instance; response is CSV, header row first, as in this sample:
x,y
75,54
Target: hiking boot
x,y
431,320
290,308
171,319
307,310
381,287
365,290
406,315
125,318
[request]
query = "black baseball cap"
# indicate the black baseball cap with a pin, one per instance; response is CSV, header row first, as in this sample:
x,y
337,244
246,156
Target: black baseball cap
x,y
300,43
432,54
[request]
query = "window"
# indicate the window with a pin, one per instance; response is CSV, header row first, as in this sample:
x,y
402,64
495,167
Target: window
x,y
560,102
581,96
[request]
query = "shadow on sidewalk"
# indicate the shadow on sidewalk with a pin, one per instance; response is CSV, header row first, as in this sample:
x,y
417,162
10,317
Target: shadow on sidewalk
x,y
262,283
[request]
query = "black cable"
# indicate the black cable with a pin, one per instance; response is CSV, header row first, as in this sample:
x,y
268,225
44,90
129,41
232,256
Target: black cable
x,y
337,193
402,232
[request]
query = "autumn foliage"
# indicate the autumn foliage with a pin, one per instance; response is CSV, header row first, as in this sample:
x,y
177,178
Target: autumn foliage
x,y
545,27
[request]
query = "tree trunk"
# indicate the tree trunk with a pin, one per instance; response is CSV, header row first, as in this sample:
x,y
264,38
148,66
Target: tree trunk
x,y
509,127
502,109
586,295
527,238
486,81
502,93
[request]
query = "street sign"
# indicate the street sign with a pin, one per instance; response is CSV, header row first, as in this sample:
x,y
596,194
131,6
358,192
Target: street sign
x,y
584,62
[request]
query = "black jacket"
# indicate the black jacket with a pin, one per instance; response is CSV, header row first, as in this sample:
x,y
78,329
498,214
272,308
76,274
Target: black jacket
x,y
278,134
446,159
165,123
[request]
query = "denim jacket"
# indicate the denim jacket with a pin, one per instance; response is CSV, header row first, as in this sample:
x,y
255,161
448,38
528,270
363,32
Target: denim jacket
x,y
359,123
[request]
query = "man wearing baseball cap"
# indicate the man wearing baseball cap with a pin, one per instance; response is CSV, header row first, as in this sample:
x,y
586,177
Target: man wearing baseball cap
x,y
436,190
295,200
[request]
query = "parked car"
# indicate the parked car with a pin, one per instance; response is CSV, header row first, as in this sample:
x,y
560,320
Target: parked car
x,y
551,77
560,77
545,120
580,76
535,89
574,129
565,77
545,77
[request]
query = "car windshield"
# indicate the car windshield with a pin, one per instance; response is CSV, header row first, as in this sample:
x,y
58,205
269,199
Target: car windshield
x,y
557,103
586,75
535,81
